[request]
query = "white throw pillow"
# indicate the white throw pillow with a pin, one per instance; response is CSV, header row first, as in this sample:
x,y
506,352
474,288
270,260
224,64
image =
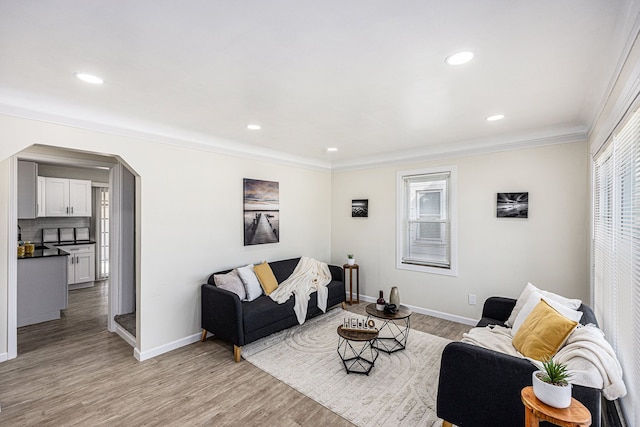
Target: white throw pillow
x,y
573,304
231,282
533,301
250,281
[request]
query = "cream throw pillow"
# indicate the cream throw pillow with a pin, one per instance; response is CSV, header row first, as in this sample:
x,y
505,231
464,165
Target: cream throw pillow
x,y
266,278
533,301
573,304
543,332
250,281
231,282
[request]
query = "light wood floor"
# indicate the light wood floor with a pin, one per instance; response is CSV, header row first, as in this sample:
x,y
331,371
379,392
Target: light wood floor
x,y
72,372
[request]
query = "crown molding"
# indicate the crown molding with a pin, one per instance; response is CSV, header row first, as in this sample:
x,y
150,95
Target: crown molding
x,y
199,141
175,137
627,98
466,148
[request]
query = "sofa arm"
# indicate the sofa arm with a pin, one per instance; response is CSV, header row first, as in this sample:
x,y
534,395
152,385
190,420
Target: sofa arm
x,y
481,387
498,308
337,273
222,314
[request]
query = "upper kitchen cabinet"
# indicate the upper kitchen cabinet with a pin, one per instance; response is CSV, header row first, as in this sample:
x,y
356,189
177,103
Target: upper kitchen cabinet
x,y
41,205
67,197
27,190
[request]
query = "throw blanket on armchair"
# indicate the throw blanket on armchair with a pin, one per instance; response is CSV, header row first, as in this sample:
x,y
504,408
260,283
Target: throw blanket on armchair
x,y
309,276
588,356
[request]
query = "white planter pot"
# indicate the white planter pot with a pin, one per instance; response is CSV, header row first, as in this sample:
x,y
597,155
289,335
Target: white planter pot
x,y
351,261
552,395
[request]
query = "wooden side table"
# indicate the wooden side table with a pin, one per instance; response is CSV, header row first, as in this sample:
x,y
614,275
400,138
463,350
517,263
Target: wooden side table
x,y
355,267
576,415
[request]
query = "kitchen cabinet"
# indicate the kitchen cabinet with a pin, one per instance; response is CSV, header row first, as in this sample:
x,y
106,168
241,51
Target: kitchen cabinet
x,y
81,263
67,197
42,289
27,189
40,204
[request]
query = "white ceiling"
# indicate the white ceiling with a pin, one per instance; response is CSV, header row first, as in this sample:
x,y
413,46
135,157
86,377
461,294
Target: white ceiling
x,y
365,76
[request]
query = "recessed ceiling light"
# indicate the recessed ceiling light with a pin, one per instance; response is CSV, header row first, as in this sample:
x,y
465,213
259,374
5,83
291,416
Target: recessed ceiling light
x,y
332,149
89,78
254,127
459,58
495,117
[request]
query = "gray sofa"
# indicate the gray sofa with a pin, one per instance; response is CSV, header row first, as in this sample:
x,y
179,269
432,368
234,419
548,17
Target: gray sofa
x,y
480,387
242,322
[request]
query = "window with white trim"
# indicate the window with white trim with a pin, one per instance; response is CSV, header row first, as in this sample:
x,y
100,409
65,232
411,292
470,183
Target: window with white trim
x,y
426,233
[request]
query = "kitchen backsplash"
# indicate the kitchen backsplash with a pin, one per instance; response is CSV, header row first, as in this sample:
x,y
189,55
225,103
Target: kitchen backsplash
x,y
32,228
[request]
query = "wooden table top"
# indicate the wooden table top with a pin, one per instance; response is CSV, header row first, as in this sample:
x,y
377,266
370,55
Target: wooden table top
x,y
357,334
402,312
575,415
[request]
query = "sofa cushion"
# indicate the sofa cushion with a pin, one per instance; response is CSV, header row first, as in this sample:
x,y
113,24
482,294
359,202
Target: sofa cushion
x,y
231,282
266,278
283,269
264,311
543,332
526,293
250,281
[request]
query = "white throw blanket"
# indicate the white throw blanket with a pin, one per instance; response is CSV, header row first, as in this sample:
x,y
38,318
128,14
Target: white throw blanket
x,y
309,276
588,356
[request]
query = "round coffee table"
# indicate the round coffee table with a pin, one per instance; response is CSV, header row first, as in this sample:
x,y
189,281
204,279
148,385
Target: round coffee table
x,y
394,330
357,349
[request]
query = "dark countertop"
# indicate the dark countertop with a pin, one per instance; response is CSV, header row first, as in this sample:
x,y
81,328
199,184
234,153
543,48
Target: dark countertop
x,y
77,242
44,253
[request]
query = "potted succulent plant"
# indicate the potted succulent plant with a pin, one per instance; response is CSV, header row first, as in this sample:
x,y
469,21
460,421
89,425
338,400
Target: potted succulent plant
x,y
350,259
551,384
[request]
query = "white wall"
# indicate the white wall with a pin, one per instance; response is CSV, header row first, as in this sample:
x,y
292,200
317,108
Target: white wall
x,y
190,215
497,256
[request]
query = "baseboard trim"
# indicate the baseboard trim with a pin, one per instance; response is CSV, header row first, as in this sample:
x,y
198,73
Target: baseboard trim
x,y
149,354
145,355
125,335
433,313
4,357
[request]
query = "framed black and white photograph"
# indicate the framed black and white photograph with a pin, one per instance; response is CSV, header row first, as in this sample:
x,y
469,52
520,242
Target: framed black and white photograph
x,y
360,208
513,205
261,212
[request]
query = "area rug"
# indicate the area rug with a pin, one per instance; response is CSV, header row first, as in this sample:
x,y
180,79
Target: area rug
x,y
401,388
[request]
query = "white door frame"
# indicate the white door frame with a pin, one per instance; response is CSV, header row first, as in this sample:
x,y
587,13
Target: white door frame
x,y
12,264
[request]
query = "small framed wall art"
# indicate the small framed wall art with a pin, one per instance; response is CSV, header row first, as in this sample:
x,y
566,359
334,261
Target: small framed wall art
x,y
360,208
512,205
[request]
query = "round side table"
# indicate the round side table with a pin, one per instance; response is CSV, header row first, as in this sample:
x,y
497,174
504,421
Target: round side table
x,y
394,330
576,415
357,349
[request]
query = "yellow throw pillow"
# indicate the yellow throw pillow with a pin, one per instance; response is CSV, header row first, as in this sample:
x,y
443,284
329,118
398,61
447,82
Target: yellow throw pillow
x,y
543,332
265,276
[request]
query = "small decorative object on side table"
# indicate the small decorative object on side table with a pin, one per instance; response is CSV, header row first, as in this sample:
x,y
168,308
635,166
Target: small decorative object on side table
x,y
576,415
352,267
395,328
357,349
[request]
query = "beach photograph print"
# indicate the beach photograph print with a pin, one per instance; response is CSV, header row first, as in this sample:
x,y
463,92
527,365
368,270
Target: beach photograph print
x,y
261,212
513,205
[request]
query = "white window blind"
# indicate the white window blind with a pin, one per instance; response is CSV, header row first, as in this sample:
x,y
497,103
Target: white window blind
x,y
616,252
426,220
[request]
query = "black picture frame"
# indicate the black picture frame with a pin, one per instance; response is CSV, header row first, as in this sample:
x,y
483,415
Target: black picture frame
x,y
261,201
512,205
360,208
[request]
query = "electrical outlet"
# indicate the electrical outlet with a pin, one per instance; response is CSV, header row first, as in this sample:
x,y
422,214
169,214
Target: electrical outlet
x,y
472,299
